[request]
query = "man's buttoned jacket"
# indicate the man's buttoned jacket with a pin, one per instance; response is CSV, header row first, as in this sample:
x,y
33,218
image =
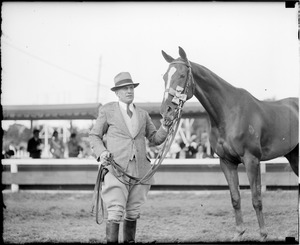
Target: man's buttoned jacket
x,y
111,133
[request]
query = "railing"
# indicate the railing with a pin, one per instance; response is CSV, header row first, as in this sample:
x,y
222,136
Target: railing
x,y
187,173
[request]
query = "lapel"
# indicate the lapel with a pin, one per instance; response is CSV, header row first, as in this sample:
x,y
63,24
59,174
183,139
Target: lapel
x,y
119,119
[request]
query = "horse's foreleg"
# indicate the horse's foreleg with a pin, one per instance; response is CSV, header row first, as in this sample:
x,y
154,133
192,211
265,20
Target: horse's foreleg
x,y
231,175
252,165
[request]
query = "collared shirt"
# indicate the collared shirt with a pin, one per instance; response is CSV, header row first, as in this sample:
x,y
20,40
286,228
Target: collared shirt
x,y
131,123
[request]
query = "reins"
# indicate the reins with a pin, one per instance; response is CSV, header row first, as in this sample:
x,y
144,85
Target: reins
x,y
120,173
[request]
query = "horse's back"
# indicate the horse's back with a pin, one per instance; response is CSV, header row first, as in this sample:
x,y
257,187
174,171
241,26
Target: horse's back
x,y
291,102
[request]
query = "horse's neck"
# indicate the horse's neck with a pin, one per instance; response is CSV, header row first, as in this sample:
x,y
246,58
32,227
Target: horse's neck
x,y
215,94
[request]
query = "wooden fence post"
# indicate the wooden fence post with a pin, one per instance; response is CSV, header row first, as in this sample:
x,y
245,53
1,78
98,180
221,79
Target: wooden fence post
x,y
14,170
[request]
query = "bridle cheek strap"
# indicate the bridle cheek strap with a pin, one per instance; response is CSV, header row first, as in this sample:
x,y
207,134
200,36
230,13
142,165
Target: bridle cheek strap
x,y
189,86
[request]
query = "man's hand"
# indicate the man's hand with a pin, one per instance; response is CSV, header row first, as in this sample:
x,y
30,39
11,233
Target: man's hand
x,y
105,158
166,123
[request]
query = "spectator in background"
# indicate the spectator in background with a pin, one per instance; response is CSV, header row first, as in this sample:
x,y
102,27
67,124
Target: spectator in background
x,y
192,147
56,146
201,152
206,144
8,154
34,146
153,150
73,146
175,149
182,153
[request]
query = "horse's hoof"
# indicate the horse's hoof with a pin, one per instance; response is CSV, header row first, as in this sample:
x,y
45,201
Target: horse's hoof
x,y
238,236
263,236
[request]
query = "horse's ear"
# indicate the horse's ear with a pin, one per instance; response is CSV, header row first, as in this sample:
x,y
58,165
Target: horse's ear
x,y
182,53
167,57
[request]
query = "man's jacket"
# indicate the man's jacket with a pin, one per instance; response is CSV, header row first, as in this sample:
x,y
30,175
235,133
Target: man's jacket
x,y
110,132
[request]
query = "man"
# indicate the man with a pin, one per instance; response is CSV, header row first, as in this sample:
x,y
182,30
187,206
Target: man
x,y
73,146
57,147
34,146
125,127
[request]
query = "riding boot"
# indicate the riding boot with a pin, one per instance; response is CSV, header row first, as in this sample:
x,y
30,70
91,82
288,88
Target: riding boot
x,y
112,232
129,230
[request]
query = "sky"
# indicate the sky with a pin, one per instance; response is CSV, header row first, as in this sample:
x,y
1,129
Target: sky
x,y
61,53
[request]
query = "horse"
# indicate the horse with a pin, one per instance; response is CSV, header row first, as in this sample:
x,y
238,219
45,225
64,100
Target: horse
x,y
243,129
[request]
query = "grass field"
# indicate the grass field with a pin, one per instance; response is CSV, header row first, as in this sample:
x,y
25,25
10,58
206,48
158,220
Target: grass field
x,y
167,217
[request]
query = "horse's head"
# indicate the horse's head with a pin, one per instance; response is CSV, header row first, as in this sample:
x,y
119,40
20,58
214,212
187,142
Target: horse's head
x,y
179,85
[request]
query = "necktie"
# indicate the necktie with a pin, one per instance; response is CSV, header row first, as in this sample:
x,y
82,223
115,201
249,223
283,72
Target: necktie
x,y
129,112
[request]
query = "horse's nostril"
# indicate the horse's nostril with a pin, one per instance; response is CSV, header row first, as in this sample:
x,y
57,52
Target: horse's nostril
x,y
169,109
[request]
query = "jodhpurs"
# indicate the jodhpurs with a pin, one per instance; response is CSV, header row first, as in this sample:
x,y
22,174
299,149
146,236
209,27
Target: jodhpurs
x,y
121,199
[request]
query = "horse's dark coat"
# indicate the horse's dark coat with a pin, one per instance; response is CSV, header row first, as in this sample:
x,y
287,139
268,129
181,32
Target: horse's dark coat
x,y
243,128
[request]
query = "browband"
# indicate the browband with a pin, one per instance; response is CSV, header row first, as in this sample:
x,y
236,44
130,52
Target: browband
x,y
181,62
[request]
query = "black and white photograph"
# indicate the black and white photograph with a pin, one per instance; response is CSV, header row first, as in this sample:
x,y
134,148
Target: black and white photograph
x,y
150,122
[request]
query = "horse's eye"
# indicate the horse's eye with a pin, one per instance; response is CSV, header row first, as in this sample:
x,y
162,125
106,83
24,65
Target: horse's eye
x,y
182,76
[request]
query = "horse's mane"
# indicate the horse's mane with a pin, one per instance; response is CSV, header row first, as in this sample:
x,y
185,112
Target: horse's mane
x,y
205,72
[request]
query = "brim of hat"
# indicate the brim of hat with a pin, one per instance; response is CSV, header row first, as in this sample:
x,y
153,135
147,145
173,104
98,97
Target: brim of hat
x,y
124,85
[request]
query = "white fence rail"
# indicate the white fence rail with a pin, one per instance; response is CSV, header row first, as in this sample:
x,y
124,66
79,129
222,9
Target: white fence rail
x,y
172,173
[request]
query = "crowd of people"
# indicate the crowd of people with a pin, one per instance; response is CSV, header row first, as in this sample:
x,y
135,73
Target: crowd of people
x,y
181,150
73,148
57,147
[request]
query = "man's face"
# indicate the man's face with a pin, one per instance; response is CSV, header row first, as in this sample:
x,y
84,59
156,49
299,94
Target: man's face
x,y
126,94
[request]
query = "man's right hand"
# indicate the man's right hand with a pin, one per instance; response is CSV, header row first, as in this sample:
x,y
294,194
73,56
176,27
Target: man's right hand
x,y
105,158
166,123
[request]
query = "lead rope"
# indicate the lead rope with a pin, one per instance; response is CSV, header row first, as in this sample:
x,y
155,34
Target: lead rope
x,y
118,171
158,160
172,133
97,194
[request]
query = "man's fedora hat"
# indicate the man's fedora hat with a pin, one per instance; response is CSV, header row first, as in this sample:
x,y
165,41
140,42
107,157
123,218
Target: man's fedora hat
x,y
123,79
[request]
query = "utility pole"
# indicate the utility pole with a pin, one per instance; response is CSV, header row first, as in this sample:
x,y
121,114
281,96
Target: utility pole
x,y
98,80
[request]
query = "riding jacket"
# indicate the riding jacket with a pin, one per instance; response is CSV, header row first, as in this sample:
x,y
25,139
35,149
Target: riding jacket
x,y
111,133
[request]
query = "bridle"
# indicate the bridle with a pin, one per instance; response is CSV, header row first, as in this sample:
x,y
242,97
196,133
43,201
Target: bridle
x,y
179,98
180,94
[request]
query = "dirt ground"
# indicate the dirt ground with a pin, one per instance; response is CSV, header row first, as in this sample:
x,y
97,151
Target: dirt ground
x,y
167,217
